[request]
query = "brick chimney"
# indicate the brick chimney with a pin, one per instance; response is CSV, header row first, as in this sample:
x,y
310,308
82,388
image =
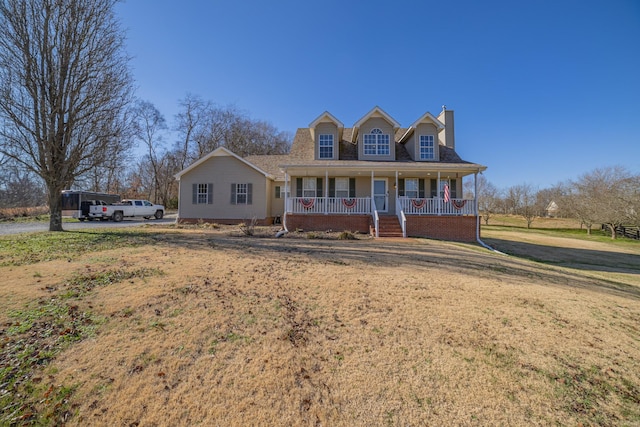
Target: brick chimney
x,y
447,135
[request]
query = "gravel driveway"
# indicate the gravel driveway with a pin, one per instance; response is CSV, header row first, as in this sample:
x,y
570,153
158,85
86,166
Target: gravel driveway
x,y
28,227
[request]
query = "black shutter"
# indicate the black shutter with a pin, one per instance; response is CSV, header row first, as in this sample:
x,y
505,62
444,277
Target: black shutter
x,y
421,188
454,194
233,194
210,193
352,188
194,199
332,187
401,187
298,187
249,193
319,187
434,188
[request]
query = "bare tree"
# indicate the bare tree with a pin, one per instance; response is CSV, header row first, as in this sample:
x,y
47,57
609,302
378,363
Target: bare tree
x,y
20,188
64,87
203,127
149,127
488,199
522,199
190,124
608,196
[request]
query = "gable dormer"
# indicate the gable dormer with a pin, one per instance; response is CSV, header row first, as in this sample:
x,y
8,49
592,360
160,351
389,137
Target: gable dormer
x,y
422,138
374,134
326,132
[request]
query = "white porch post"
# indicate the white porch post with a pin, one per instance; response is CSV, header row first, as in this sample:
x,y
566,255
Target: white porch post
x,y
475,196
326,190
396,184
372,201
438,194
286,191
475,192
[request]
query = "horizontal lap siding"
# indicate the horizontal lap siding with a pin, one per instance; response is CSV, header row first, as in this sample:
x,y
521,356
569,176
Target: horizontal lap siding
x,y
222,172
321,222
456,228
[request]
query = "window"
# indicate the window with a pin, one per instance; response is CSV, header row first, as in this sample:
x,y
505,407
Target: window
x,y
278,192
411,188
326,146
202,194
376,143
426,147
342,187
241,194
309,187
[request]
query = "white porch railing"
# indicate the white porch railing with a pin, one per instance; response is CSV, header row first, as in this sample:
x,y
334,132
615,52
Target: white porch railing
x,y
329,205
436,206
364,205
401,218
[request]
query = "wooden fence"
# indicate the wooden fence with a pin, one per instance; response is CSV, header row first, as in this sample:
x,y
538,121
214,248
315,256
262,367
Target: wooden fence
x,y
626,231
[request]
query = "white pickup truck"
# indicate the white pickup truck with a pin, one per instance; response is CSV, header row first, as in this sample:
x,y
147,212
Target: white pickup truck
x,y
127,208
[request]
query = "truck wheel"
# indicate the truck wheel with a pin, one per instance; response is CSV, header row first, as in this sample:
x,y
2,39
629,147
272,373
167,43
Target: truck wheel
x,y
159,214
117,216
81,219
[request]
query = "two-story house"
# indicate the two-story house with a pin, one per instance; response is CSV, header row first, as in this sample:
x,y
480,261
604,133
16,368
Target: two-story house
x,y
375,176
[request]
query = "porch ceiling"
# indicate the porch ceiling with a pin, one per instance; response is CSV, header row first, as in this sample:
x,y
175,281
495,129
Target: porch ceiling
x,y
422,170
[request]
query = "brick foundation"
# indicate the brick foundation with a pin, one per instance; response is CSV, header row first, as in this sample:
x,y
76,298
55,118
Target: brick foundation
x,y
320,222
263,221
456,228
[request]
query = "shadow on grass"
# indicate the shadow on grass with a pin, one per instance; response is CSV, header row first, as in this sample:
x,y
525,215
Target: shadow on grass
x,y
578,258
407,255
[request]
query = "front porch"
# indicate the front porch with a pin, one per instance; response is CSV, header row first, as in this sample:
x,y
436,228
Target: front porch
x,y
385,202
453,219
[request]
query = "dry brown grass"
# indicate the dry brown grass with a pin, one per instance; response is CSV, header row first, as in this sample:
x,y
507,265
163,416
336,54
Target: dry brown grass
x,y
10,214
262,331
538,222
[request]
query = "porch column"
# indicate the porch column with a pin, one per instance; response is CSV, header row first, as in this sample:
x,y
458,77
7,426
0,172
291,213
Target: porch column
x,y
372,201
475,192
326,190
396,187
286,191
475,205
438,194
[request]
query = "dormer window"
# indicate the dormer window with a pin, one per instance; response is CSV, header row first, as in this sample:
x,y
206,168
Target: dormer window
x,y
325,143
376,143
426,147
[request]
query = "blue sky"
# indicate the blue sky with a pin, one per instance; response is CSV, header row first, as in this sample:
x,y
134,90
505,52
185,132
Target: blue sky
x,y
543,91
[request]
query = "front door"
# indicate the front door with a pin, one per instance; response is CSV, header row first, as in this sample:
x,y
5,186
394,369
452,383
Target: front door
x,y
380,195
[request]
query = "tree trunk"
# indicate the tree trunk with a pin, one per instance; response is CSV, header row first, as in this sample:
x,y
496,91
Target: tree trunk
x,y
55,209
612,228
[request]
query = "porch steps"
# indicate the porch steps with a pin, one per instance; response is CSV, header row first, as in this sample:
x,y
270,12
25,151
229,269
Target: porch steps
x,y
389,226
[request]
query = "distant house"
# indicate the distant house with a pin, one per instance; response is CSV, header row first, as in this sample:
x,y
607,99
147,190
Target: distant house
x,y
552,209
375,176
